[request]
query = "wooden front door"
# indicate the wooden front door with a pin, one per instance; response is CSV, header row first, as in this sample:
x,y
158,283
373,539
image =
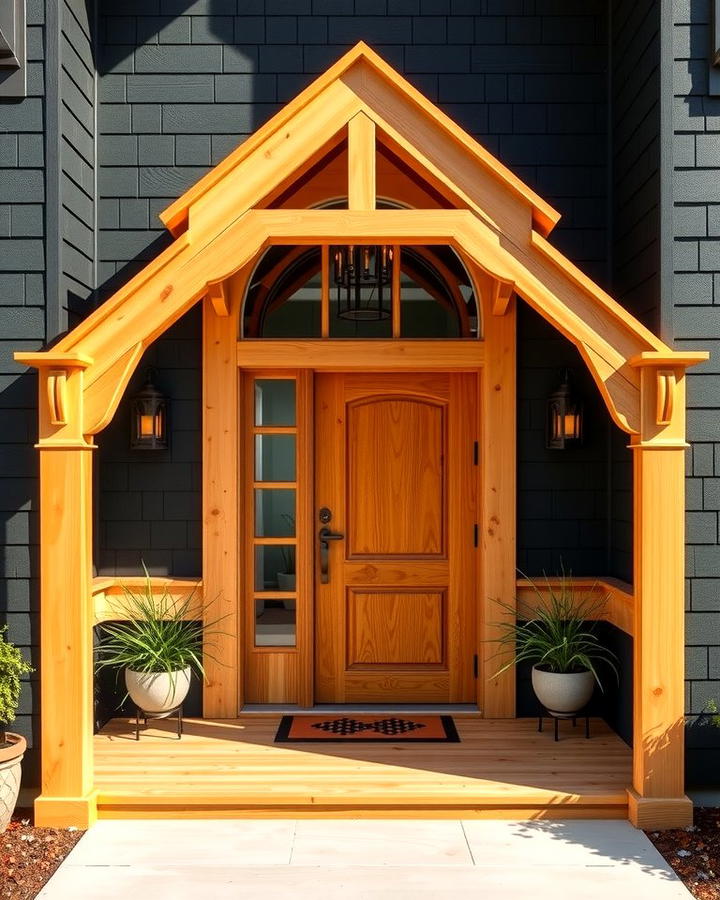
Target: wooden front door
x,y
395,595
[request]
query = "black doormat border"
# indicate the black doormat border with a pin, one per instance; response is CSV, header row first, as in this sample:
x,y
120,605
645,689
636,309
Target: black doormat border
x,y
451,734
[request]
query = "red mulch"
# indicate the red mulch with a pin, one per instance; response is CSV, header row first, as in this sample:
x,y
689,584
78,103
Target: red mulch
x,y
694,853
29,855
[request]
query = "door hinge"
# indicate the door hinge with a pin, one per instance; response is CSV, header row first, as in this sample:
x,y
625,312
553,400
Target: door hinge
x,y
476,453
475,534
475,666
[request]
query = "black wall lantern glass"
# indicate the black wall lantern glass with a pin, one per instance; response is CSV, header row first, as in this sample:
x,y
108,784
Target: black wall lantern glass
x,y
564,417
148,418
363,277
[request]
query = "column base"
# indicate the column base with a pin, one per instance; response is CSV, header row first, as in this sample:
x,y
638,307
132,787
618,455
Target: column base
x,y
64,812
659,813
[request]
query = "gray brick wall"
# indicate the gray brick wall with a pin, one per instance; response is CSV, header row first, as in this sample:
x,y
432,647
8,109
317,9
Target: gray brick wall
x,y
694,302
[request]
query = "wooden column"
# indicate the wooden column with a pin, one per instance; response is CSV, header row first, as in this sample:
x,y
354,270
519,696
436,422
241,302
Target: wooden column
x,y
657,799
221,698
66,620
496,695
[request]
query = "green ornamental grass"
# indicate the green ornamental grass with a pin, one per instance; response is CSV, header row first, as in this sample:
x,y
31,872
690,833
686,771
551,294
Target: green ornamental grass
x,y
12,668
561,634
157,634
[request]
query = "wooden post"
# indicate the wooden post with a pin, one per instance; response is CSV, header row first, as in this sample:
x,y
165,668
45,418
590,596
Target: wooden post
x,y
221,698
657,799
496,696
66,620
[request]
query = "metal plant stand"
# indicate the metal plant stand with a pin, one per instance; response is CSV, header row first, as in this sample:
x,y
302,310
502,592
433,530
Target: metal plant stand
x,y
145,715
556,716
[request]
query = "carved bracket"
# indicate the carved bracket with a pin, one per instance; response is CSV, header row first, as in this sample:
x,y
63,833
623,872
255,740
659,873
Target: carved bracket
x,y
666,384
56,387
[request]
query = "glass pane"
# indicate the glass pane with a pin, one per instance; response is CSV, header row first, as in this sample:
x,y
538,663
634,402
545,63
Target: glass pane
x,y
293,306
274,401
274,513
274,622
427,306
283,300
275,567
275,457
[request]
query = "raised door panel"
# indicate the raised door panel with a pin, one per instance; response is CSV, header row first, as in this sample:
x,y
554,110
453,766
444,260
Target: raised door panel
x,y
396,477
391,628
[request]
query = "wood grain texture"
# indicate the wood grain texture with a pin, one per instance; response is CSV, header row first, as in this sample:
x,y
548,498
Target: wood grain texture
x,y
221,690
351,355
500,769
361,162
66,688
618,608
498,517
396,478
392,628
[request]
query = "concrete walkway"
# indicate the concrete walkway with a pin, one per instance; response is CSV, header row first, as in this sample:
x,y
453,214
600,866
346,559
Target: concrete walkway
x,y
353,859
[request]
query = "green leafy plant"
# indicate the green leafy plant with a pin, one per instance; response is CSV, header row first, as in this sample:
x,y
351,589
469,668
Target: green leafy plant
x,y
12,668
158,633
559,635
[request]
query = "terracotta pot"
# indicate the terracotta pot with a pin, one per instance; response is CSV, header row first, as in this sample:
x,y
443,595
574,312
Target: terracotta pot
x,y
10,771
157,692
563,692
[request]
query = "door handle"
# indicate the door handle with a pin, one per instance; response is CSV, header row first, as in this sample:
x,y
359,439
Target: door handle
x,y
325,536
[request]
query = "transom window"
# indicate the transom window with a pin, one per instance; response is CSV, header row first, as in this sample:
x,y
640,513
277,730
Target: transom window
x,y
360,291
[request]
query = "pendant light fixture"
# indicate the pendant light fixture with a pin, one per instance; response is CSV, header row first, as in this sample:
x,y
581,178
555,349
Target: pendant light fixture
x,y
363,277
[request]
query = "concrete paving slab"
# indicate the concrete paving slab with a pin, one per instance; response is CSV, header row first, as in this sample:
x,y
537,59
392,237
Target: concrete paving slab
x,y
363,859
344,842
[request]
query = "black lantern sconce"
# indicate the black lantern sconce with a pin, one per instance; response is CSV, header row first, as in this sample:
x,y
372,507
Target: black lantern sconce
x,y
149,418
363,277
564,417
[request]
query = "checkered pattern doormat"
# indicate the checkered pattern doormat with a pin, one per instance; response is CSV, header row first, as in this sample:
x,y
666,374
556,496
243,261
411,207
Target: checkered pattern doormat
x,y
367,729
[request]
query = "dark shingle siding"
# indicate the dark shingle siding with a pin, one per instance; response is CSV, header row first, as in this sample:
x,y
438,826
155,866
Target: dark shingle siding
x,y
696,324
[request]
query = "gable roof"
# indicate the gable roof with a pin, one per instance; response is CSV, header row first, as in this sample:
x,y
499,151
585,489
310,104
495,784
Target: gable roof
x,y
496,222
175,216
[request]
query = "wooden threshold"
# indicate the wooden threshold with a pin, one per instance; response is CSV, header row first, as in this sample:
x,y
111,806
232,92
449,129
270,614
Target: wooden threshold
x,y
232,769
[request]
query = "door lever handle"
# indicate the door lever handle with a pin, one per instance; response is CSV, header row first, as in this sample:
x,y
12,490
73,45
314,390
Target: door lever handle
x,y
325,536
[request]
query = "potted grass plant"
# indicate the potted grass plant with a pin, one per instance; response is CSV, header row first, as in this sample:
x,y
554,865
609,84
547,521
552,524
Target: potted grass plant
x,y
558,636
158,641
12,746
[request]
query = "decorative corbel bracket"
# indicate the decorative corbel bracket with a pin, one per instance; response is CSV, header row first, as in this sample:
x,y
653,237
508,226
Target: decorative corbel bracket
x,y
502,294
219,297
60,397
662,392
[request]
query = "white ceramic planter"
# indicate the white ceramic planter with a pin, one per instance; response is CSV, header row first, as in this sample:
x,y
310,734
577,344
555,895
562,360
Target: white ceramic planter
x,y
563,692
157,692
10,772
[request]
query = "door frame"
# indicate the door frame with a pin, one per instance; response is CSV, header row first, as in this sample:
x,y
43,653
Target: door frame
x,y
493,357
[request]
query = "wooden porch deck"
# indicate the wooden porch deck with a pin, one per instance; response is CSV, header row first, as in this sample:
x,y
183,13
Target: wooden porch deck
x,y
502,768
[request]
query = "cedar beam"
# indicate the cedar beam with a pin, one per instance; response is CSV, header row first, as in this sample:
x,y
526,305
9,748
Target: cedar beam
x,y
361,162
657,798
220,513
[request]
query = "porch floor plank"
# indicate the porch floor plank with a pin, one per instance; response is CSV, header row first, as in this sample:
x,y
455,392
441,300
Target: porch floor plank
x,y
231,767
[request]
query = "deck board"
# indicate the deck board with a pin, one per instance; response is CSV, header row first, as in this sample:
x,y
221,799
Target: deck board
x,y
232,767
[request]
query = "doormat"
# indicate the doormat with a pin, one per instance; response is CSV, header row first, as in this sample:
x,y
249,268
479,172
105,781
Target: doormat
x,y
366,729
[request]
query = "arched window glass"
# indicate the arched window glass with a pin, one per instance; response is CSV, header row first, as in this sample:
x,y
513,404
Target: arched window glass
x,y
433,296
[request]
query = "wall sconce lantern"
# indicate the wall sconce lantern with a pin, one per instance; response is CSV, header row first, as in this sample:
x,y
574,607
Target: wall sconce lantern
x,y
362,277
148,418
564,417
